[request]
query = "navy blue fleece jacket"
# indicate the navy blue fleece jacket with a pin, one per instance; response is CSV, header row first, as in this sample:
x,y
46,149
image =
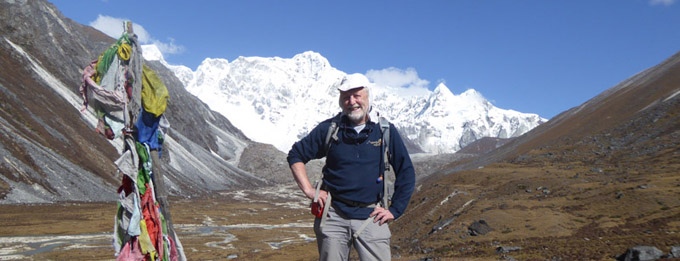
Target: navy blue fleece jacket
x,y
353,165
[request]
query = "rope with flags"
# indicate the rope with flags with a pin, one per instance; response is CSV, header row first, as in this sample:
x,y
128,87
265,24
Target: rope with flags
x,y
129,101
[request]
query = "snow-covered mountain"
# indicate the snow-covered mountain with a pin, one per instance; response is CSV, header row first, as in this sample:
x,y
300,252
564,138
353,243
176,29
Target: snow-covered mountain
x,y
278,100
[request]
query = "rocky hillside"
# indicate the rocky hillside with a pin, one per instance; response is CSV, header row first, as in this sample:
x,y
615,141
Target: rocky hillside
x,y
49,147
589,184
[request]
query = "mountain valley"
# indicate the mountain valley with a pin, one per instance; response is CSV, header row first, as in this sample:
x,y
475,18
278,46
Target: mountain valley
x,y
589,184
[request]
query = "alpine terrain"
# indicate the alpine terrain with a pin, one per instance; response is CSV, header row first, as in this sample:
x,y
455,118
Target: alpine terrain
x,y
599,181
261,94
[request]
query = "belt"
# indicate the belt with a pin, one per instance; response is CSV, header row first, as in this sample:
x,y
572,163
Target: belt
x,y
355,203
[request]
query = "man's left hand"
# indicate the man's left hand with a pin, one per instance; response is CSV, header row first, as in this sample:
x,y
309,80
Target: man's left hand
x,y
382,215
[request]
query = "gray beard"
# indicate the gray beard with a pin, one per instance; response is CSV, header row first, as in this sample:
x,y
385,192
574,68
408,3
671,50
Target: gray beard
x,y
357,116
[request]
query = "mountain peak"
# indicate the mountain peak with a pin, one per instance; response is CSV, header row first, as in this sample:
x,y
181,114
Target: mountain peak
x,y
474,96
152,53
309,55
472,93
278,93
441,88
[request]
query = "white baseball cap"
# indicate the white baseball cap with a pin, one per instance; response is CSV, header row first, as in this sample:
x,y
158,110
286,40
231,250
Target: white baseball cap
x,y
353,81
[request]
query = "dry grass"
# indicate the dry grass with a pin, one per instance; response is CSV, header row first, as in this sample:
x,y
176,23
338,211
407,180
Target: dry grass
x,y
565,211
212,228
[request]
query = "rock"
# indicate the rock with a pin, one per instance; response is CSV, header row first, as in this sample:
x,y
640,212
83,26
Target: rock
x,y
441,225
641,253
479,228
675,252
507,249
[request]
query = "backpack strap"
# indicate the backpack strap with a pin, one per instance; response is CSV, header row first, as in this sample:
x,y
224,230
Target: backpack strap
x,y
326,206
332,132
385,130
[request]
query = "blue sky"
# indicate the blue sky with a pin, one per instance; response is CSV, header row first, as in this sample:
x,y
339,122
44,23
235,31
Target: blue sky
x,y
534,56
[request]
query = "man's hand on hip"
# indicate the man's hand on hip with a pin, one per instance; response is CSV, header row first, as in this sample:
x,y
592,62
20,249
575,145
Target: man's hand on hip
x,y
382,215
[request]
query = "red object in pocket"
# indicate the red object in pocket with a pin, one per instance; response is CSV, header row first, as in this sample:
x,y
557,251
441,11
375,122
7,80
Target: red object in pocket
x,y
317,209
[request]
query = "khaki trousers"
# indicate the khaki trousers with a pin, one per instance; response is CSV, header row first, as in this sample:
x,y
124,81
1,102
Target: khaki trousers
x,y
335,238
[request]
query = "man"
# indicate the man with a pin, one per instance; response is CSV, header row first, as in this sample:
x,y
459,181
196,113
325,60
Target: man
x,y
352,178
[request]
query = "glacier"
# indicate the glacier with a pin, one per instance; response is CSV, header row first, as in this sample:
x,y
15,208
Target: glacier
x,y
277,101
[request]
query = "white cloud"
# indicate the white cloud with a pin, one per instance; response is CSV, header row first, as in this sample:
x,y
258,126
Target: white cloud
x,y
662,2
169,47
114,27
407,80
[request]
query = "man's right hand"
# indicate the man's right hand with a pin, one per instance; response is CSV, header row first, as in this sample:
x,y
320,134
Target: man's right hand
x,y
323,197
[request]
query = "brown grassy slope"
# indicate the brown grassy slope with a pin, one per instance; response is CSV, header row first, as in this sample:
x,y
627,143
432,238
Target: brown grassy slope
x,y
589,184
592,214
